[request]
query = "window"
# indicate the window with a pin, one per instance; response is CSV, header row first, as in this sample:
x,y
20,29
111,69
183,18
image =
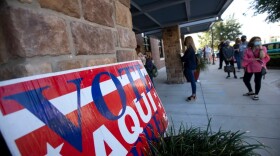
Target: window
x,y
161,55
147,44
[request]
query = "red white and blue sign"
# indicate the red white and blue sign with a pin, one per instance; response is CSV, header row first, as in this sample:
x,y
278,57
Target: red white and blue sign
x,y
104,110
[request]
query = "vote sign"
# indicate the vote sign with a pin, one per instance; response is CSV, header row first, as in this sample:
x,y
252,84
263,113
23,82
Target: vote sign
x,y
105,110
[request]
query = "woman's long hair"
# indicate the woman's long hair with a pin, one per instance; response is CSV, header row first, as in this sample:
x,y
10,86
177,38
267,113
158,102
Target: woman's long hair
x,y
189,42
237,41
252,40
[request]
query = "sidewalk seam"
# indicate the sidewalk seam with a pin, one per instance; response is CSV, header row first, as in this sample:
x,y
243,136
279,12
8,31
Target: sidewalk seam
x,y
204,101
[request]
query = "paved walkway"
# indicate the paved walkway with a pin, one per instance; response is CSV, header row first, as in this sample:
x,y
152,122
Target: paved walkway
x,y
221,99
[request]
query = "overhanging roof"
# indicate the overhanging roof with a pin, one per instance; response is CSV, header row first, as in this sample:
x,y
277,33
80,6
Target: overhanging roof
x,y
151,16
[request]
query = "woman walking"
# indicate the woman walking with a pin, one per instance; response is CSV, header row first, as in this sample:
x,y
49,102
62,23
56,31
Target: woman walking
x,y
189,60
255,58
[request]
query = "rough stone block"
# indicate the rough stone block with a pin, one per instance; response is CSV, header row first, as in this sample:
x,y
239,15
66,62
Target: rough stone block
x,y
123,15
127,38
92,40
125,2
100,61
69,64
29,33
123,56
98,11
25,1
3,50
16,70
12,71
68,7
116,38
38,68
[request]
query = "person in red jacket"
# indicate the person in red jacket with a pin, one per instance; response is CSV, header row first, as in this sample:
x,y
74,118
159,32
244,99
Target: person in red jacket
x,y
255,58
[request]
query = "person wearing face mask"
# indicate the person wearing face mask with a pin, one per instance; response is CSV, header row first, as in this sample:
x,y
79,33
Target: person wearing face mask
x,y
242,48
228,56
255,57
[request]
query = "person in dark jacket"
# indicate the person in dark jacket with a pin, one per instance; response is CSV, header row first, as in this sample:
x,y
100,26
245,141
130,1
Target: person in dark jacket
x,y
221,54
189,60
229,55
150,65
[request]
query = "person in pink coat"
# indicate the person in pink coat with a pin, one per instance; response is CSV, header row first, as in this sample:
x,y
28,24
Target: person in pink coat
x,y
255,57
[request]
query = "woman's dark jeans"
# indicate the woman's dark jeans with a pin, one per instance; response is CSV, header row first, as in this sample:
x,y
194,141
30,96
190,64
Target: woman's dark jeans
x,y
189,74
238,60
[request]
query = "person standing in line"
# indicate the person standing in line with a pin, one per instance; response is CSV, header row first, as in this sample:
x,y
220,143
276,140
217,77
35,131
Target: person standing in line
x,y
236,48
189,60
208,53
255,58
221,54
150,66
140,55
228,55
242,48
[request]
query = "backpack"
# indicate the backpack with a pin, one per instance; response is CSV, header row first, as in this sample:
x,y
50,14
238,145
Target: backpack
x,y
154,71
197,59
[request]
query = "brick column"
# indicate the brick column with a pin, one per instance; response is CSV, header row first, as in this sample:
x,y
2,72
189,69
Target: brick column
x,y
155,51
171,38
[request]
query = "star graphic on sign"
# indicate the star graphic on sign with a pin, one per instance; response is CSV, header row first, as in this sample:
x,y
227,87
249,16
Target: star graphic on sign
x,y
150,83
164,116
159,105
53,151
155,94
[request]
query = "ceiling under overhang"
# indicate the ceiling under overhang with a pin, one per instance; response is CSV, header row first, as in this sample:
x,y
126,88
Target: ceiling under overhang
x,y
151,16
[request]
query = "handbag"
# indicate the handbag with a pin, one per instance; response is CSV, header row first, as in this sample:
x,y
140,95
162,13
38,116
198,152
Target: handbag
x,y
228,68
154,71
263,71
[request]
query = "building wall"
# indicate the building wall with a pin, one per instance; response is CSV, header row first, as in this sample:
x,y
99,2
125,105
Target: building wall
x,y
172,48
140,42
42,36
159,62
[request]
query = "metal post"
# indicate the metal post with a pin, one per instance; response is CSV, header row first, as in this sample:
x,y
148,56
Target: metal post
x,y
212,36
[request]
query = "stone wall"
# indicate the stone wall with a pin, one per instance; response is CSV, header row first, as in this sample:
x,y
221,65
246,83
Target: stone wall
x,y
172,49
42,36
160,63
140,42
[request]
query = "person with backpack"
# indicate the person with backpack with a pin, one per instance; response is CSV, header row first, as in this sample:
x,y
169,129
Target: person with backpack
x,y
190,64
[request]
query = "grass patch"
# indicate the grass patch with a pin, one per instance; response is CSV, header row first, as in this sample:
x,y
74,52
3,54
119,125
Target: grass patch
x,y
197,142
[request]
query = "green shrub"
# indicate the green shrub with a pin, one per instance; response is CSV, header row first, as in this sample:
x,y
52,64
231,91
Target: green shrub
x,y
197,142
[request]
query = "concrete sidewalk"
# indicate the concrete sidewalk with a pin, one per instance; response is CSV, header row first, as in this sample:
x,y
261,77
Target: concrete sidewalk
x,y
221,99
